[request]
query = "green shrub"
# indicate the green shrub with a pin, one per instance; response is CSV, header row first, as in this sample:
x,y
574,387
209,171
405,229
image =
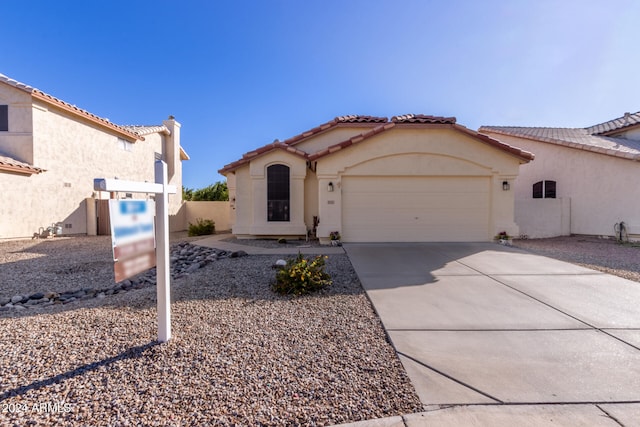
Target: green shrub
x,y
302,276
202,227
282,240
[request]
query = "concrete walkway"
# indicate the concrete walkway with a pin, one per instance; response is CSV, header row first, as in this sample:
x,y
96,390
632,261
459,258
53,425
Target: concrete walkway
x,y
495,336
217,241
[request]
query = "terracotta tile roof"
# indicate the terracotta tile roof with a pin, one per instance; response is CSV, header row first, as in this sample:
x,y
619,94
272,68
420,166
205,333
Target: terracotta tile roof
x,y
13,165
577,138
352,141
421,118
247,157
381,125
49,99
340,120
615,125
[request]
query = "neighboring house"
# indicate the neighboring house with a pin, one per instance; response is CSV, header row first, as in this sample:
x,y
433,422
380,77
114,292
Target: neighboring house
x,y
414,178
584,181
50,152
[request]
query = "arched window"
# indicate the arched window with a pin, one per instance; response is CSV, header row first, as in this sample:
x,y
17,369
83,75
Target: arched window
x,y
544,190
278,193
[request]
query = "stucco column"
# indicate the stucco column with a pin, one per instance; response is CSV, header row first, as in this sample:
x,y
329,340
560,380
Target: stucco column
x,y
329,207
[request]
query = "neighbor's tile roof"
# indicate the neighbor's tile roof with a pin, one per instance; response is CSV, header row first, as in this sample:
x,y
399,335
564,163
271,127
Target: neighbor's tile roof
x,y
615,125
13,165
583,139
381,124
49,99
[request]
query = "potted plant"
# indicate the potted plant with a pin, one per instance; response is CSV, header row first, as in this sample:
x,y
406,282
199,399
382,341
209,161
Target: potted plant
x,y
503,238
335,238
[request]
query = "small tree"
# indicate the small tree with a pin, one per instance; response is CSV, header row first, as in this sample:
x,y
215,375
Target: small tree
x,y
217,192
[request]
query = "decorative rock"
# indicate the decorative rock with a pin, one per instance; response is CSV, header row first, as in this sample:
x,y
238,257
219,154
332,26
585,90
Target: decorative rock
x,y
19,307
238,254
185,259
193,267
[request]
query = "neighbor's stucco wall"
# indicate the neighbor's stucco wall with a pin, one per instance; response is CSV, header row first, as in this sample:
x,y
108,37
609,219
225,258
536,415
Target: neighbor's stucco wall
x,y
602,188
17,142
73,153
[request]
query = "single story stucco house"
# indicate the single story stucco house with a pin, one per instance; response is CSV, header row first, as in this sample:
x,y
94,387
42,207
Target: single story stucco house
x,y
50,152
371,179
584,180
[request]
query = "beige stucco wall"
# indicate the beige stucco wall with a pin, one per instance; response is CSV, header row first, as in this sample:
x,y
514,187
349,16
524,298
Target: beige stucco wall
x,y
251,197
419,152
602,188
218,212
397,152
72,152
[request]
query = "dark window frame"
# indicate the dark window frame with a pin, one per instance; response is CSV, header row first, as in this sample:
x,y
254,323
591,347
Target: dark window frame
x,y
4,118
278,193
546,189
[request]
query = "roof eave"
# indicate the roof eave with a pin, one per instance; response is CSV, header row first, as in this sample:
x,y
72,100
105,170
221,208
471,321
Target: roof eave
x,y
21,170
259,152
184,155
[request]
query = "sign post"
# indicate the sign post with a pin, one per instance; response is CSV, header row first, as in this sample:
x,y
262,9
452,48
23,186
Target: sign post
x,y
163,277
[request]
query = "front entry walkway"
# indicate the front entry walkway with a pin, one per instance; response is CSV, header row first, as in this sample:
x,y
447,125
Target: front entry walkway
x,y
480,324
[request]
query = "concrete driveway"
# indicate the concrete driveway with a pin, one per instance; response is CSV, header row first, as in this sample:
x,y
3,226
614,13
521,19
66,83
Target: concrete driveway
x,y
483,324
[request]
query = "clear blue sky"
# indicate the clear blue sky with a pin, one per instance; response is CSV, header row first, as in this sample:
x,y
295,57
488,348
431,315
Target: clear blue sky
x,y
239,74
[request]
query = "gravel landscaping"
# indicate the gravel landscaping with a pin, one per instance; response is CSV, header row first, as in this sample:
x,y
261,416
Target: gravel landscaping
x,y
606,255
240,355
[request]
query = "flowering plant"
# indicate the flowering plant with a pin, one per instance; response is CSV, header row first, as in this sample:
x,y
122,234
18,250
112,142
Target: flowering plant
x,y
503,238
334,235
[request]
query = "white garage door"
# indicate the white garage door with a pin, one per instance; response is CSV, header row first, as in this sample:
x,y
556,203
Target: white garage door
x,y
415,209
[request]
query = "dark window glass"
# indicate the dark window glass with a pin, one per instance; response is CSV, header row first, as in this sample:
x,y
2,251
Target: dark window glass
x,y
4,118
278,193
544,190
537,190
549,189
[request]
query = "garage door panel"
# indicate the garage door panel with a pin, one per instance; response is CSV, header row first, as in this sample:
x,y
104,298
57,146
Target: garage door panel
x,y
415,209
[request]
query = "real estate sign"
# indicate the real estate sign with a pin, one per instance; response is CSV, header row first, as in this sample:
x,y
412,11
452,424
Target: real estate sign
x,y
133,237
